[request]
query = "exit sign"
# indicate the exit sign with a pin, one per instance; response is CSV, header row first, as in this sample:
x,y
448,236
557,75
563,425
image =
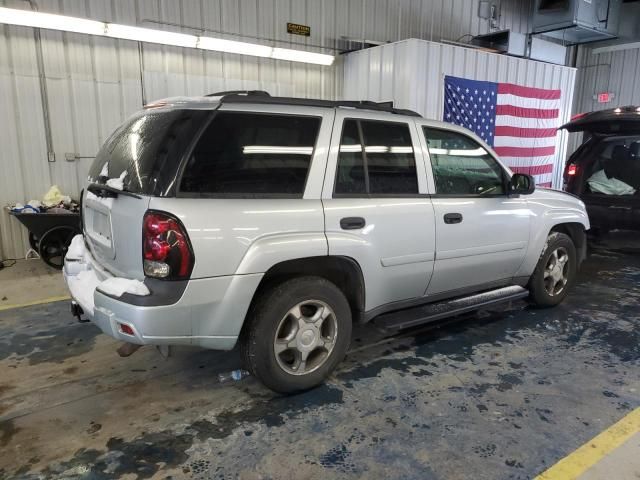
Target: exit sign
x,y
604,97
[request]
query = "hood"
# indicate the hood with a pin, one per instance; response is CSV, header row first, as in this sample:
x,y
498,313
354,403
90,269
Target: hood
x,y
606,122
568,199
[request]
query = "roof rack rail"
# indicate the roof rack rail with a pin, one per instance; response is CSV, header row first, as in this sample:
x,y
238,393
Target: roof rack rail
x,y
262,97
260,93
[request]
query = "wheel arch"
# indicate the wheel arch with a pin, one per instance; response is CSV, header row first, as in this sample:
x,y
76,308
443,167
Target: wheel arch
x,y
573,226
578,235
343,271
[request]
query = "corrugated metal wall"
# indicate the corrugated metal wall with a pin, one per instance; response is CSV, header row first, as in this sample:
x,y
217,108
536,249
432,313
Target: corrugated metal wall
x,y
616,72
93,84
411,73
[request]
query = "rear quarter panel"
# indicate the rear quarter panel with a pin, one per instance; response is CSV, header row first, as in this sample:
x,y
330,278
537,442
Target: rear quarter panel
x,y
245,236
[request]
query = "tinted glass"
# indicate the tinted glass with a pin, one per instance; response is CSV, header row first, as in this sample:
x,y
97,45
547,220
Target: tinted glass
x,y
252,154
462,166
149,147
390,161
386,165
350,176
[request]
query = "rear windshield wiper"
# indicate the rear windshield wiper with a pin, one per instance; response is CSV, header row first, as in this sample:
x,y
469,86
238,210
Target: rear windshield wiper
x,y
106,191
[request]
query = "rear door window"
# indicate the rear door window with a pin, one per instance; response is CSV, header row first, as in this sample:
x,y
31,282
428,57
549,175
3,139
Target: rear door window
x,y
376,158
252,154
461,166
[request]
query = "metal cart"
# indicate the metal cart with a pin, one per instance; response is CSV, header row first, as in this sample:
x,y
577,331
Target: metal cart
x,y
50,234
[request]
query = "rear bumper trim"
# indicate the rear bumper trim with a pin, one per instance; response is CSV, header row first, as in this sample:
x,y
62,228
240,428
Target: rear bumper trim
x,y
209,313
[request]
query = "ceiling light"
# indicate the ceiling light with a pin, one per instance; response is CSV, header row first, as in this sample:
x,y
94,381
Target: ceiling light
x,y
27,18
273,149
231,46
302,56
150,35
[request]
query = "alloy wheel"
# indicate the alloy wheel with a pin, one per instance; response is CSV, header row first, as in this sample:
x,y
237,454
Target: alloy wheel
x,y
556,272
305,337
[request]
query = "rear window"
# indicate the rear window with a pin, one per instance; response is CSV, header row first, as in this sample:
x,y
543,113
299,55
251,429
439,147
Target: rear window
x,y
149,147
252,154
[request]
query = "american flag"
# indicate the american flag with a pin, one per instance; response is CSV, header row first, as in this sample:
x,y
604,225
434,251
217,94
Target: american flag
x,y
518,122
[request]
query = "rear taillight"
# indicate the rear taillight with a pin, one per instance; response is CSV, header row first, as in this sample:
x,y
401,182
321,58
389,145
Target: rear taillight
x,y
572,169
166,249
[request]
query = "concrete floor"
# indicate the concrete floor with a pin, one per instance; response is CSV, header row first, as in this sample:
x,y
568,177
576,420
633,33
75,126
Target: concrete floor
x,y
27,281
623,463
502,394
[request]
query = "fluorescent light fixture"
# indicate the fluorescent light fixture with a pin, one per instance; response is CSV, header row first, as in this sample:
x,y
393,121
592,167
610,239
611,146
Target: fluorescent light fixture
x,y
151,35
269,149
478,152
350,148
231,46
376,149
302,56
28,18
401,149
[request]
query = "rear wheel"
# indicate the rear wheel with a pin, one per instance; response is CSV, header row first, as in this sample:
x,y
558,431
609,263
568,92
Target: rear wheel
x,y
296,334
555,272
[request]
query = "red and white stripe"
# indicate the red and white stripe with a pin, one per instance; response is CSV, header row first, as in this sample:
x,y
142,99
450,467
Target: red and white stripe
x,y
525,132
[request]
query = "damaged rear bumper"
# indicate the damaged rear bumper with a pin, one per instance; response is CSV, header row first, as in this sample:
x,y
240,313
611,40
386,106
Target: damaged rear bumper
x,y
207,312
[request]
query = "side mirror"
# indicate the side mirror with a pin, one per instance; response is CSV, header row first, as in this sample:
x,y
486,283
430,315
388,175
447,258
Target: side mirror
x,y
521,184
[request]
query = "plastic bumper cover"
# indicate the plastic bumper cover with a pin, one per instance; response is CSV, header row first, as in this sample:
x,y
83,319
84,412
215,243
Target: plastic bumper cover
x,y
209,313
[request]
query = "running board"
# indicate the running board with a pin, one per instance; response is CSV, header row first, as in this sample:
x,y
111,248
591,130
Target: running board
x,y
436,311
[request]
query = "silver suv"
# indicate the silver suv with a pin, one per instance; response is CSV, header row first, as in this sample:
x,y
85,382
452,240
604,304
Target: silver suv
x,y
278,222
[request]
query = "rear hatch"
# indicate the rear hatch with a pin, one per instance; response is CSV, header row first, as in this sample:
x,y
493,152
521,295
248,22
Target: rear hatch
x,y
605,170
606,122
140,160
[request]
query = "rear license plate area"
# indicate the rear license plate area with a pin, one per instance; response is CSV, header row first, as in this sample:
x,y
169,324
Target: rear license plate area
x,y
101,226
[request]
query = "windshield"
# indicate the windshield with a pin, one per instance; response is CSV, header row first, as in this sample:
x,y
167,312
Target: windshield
x,y
143,154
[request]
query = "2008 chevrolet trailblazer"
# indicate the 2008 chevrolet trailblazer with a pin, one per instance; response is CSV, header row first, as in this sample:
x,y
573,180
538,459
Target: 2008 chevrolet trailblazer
x,y
277,222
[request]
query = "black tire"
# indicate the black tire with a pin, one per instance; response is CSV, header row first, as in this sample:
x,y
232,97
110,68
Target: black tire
x,y
539,294
263,321
54,244
33,242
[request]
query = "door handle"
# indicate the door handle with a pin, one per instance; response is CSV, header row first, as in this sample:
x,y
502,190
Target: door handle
x,y
352,223
452,218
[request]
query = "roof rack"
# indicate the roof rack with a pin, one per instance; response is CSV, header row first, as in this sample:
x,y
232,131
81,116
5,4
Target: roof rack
x,y
260,96
226,93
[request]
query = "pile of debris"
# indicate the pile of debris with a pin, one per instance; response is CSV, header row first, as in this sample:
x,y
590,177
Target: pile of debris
x,y
54,201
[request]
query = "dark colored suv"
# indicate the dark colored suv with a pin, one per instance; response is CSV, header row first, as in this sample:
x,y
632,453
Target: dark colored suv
x,y
605,170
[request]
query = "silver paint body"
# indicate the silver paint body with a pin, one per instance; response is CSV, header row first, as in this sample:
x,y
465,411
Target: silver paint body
x,y
405,251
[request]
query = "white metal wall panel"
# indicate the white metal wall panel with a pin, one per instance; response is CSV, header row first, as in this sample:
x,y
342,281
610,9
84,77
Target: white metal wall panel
x,y
411,73
94,83
616,72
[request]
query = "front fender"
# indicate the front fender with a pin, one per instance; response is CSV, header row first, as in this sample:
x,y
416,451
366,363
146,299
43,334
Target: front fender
x,y
545,219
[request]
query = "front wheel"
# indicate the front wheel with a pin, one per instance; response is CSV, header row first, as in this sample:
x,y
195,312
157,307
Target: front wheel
x,y
296,334
555,272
